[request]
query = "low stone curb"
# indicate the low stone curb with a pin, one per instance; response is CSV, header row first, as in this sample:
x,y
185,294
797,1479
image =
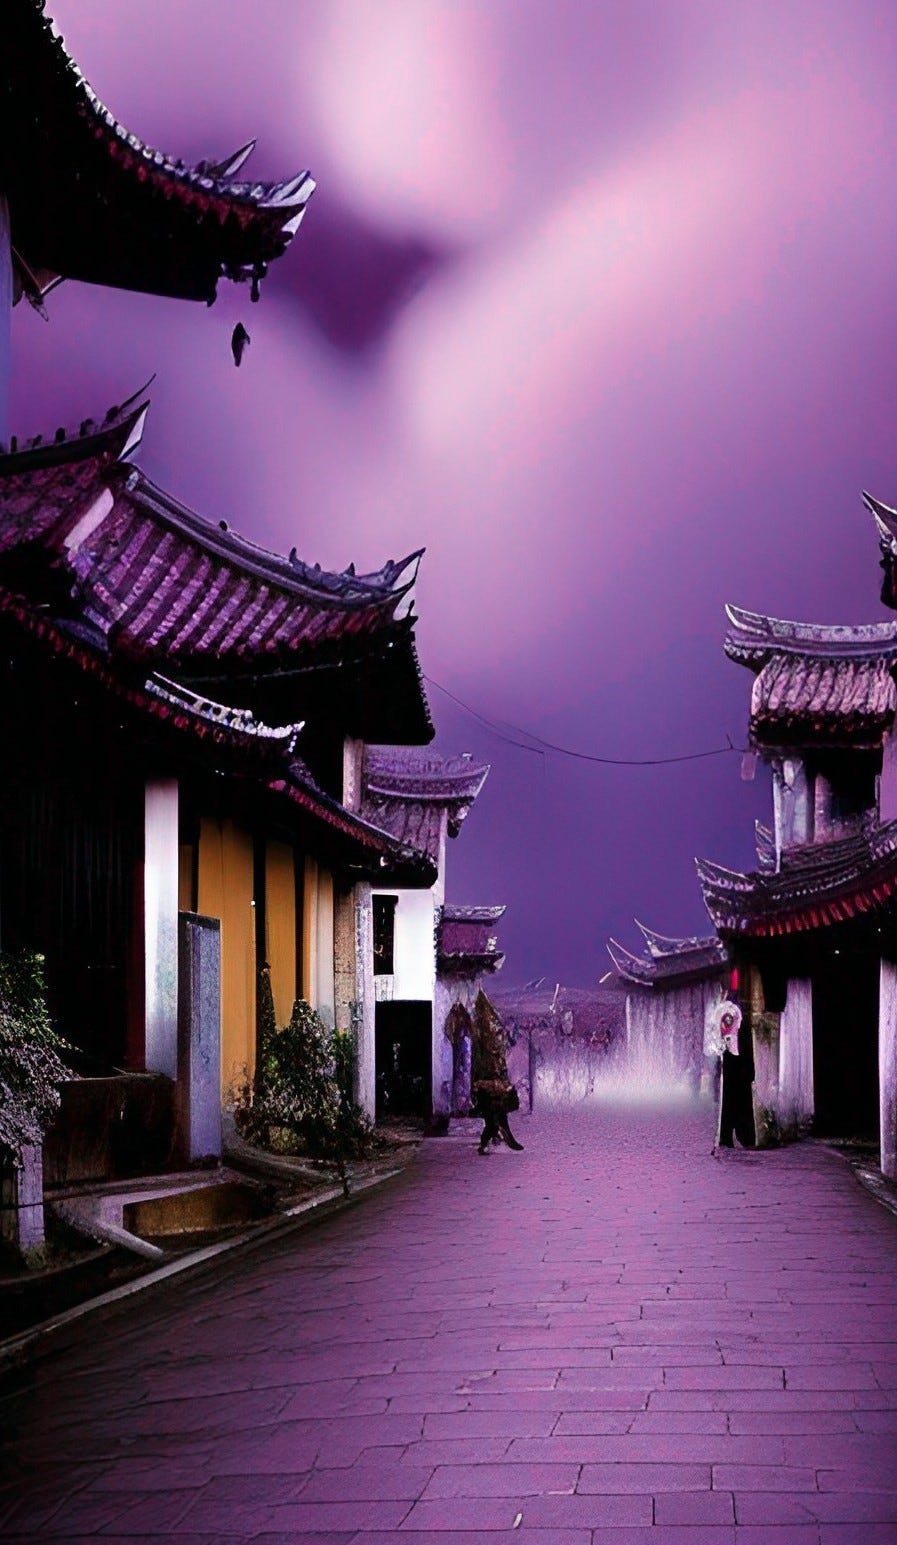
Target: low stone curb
x,y
41,1339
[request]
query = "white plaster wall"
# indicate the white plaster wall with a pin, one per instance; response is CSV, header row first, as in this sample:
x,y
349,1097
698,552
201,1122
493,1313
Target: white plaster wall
x,y
414,956
366,1091
795,1093
160,911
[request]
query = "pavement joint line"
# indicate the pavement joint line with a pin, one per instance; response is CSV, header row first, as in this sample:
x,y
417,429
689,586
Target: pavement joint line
x,y
15,1349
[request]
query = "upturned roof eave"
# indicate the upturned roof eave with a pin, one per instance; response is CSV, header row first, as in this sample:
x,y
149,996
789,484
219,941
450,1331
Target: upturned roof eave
x,y
72,155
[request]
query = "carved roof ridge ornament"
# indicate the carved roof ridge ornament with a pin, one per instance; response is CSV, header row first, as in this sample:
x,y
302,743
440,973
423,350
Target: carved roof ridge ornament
x,y
886,521
242,719
453,913
119,433
324,586
661,944
692,959
753,636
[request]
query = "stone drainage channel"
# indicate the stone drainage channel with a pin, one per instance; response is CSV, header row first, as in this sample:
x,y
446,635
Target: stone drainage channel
x,y
150,1229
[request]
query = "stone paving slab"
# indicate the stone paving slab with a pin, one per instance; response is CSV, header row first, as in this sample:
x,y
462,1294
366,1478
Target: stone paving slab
x,y
610,1339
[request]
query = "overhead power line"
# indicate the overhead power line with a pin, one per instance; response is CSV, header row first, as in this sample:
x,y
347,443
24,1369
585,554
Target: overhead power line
x,y
536,744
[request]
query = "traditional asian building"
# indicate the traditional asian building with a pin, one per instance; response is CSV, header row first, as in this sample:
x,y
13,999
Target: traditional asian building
x,y
813,929
180,703
81,197
669,988
421,799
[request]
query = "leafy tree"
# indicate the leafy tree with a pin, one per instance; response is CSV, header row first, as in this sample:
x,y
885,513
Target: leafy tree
x,y
31,1065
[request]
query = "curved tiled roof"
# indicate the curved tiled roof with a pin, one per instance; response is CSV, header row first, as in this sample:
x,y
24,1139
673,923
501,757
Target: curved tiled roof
x,y
669,962
805,697
409,792
816,683
260,753
815,886
158,580
464,944
91,201
414,794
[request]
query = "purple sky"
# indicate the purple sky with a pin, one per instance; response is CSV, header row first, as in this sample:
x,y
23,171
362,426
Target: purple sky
x,y
596,299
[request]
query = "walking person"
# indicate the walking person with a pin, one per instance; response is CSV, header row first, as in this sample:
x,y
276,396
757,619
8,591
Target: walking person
x,y
494,1093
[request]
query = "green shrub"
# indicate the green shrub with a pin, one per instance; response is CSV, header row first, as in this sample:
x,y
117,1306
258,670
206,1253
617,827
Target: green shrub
x,y
302,1089
31,1065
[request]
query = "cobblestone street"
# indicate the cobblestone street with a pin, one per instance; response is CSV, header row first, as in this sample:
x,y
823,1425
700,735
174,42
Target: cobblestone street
x,y
611,1337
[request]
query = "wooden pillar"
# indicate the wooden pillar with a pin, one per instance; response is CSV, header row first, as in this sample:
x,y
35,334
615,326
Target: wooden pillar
x,y
160,924
5,319
887,1068
795,1095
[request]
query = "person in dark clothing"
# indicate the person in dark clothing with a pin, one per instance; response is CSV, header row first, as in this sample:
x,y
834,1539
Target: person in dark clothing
x,y
490,1084
736,1111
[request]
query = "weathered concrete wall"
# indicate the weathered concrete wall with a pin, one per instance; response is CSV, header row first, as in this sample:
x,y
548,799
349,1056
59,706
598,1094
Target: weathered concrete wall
x,y
344,988
665,1030
199,1036
887,1067
22,1203
447,1098
160,911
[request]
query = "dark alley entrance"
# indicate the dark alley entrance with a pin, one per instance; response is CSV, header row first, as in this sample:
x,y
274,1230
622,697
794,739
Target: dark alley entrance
x,y
404,1033
845,1043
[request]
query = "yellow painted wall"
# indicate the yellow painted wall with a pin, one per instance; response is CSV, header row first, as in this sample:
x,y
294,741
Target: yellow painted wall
x,y
186,898
310,934
280,927
226,892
